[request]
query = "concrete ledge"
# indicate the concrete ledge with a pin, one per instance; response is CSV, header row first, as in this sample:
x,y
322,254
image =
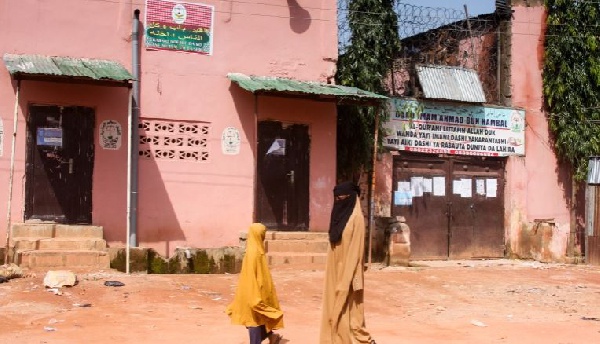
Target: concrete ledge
x,y
138,259
184,260
70,231
62,259
36,230
208,260
31,243
272,235
52,230
317,246
282,258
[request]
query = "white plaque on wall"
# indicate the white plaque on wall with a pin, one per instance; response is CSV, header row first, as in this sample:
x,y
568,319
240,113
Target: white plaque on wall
x,y
230,141
110,134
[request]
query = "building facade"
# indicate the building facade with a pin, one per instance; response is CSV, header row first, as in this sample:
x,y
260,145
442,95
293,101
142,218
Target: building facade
x,y
463,195
211,156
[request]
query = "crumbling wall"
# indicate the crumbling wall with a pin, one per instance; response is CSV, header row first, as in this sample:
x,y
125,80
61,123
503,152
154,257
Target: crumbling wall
x,y
543,241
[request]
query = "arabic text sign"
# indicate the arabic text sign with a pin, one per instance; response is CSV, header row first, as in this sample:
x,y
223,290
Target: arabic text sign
x,y
461,130
179,26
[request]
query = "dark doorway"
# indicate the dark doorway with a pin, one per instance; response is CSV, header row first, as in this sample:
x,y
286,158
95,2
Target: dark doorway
x,y
283,174
59,164
453,205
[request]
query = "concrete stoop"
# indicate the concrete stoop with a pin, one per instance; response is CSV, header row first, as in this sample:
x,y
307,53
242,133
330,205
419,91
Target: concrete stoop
x,y
297,248
51,246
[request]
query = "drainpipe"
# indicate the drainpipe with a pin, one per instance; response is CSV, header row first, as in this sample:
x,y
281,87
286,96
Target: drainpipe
x,y
129,139
254,145
12,171
133,119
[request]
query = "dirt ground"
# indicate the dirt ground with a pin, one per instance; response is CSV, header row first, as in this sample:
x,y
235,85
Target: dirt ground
x,y
498,301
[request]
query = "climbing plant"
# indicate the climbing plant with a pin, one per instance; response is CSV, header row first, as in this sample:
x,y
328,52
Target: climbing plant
x,y
571,80
364,64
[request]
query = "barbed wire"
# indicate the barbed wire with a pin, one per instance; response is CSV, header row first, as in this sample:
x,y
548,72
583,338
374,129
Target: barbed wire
x,y
412,19
442,37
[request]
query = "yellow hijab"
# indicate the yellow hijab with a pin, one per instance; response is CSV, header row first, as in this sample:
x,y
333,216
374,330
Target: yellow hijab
x,y
255,301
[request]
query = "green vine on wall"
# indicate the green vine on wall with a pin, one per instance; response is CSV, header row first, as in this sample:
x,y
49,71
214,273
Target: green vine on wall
x,y
365,64
571,80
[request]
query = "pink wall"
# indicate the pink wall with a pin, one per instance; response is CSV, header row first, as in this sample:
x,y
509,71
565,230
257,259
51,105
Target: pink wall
x,y
181,203
534,189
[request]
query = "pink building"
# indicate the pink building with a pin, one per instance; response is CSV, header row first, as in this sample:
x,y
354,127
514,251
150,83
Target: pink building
x,y
517,199
213,156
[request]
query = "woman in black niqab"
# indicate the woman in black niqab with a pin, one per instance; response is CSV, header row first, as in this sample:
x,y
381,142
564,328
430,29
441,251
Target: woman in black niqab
x,y
344,200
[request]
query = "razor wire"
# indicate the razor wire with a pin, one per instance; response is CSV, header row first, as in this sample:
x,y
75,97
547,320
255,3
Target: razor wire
x,y
437,36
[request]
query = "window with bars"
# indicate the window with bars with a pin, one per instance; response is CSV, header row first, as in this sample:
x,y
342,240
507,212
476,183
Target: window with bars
x,y
174,140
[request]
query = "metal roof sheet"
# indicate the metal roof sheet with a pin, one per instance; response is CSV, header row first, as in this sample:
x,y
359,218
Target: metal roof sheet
x,y
265,84
32,66
452,83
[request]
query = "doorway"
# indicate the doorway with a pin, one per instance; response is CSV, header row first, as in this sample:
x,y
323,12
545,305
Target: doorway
x,y
283,176
59,164
454,205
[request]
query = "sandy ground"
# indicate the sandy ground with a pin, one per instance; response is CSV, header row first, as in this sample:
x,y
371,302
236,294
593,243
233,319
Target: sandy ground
x,y
498,301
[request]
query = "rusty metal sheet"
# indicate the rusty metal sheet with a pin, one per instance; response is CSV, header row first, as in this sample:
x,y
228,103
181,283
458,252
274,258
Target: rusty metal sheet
x,y
451,83
258,84
31,66
593,252
593,237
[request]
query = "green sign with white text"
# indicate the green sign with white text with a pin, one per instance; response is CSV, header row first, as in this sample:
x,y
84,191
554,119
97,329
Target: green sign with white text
x,y
179,26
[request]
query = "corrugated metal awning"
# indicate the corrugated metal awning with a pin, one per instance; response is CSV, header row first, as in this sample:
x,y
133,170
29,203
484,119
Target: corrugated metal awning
x,y
55,68
303,89
451,83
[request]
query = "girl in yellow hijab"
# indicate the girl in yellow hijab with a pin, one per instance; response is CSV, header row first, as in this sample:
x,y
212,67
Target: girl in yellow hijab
x,y
255,304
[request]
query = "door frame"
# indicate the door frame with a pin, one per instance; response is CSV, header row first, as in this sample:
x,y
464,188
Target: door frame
x,y
79,210
299,177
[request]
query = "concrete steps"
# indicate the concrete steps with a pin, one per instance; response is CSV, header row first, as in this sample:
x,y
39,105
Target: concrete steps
x,y
297,248
63,259
284,258
59,244
51,246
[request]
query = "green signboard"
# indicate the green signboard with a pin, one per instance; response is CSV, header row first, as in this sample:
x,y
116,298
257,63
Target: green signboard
x,y
179,26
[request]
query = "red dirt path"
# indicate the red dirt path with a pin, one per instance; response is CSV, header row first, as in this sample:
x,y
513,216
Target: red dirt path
x,y
452,302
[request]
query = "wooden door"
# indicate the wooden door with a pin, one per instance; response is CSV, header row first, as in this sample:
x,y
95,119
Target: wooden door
x,y
454,205
59,164
425,211
283,175
477,208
